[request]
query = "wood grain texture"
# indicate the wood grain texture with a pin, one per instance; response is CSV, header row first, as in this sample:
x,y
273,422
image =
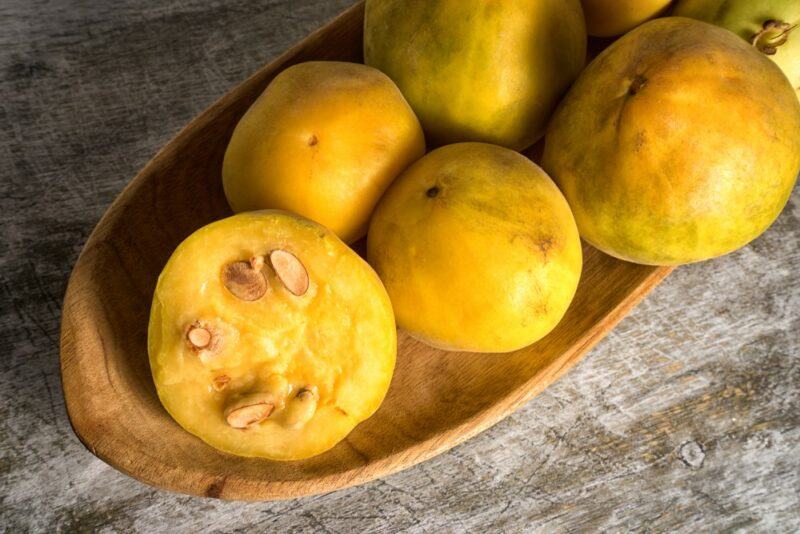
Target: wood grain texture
x,y
685,418
436,399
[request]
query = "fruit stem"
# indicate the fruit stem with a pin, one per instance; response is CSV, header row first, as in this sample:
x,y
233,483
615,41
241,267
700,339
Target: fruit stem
x,y
773,34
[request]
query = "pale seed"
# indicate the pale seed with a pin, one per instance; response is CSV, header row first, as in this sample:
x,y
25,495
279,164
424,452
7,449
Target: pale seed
x,y
250,415
198,337
290,271
301,408
250,410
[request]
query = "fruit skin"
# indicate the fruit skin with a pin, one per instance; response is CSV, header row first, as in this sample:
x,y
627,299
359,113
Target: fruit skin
x,y
476,70
746,18
607,18
678,143
477,248
339,337
324,140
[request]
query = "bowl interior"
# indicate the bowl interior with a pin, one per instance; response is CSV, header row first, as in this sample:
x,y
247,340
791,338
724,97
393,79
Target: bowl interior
x,y
436,399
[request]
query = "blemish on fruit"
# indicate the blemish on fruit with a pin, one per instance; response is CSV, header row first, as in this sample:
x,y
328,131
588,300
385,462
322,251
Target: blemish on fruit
x,y
639,141
637,84
545,244
312,140
220,382
432,192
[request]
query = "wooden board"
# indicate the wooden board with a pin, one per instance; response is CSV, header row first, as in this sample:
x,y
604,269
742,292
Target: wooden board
x,y
436,400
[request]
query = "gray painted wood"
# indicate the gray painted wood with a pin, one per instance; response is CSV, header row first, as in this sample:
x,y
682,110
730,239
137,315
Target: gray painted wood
x,y
686,417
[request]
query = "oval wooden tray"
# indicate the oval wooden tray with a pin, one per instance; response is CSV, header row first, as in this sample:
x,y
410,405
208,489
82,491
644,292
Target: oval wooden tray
x,y
436,399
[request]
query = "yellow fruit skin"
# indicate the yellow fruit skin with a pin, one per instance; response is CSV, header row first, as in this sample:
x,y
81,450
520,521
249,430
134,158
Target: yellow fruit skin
x,y
477,248
476,70
339,336
324,140
678,143
746,18
607,18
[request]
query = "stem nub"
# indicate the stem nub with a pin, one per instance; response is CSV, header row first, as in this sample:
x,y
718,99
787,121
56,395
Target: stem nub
x,y
772,35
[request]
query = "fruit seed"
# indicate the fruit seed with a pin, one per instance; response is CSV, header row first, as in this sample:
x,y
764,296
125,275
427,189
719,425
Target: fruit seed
x,y
290,271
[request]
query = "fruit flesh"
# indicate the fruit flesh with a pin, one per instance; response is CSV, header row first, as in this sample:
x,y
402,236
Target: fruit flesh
x,y
475,70
608,18
338,337
746,18
677,144
477,248
324,141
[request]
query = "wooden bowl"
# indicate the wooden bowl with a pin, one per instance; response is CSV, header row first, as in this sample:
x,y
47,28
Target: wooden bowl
x,y
436,399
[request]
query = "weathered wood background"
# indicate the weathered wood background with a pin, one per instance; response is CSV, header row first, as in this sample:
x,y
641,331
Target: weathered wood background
x,y
686,417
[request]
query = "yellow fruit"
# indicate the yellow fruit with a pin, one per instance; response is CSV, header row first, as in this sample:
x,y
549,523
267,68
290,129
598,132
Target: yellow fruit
x,y
770,25
270,337
607,18
679,143
324,140
476,70
477,248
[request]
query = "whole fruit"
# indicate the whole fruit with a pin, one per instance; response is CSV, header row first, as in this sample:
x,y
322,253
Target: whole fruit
x,y
769,25
324,140
607,18
476,70
477,248
269,337
679,143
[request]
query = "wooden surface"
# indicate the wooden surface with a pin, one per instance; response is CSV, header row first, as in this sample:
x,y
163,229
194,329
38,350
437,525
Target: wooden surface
x,y
436,399
685,417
